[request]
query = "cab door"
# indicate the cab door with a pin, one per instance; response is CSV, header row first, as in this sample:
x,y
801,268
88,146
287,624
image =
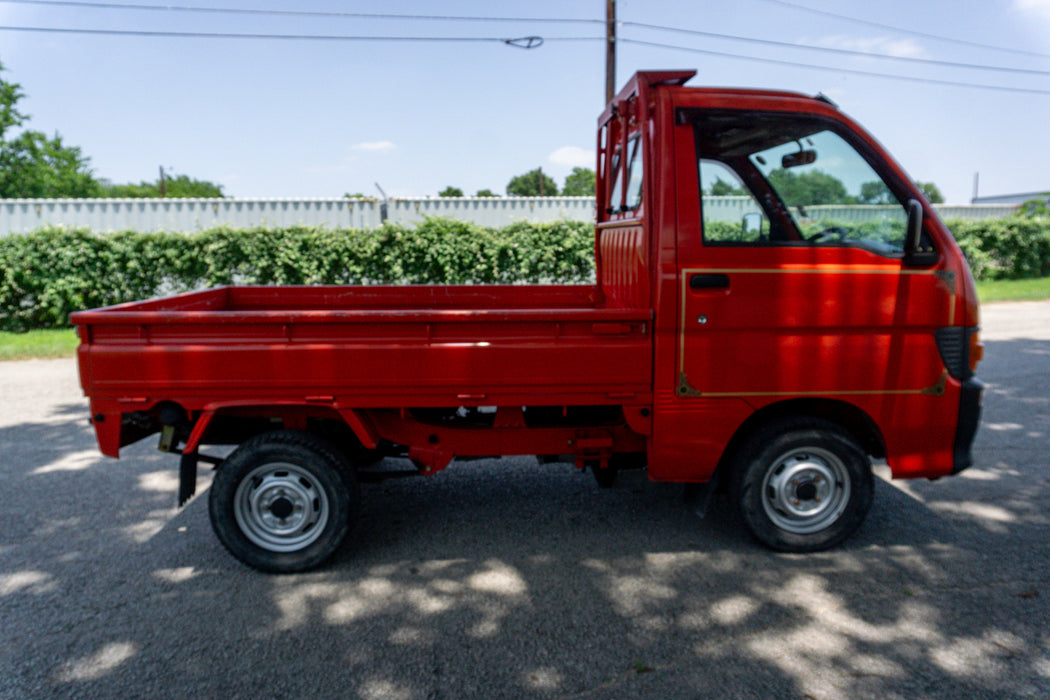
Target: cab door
x,y
799,286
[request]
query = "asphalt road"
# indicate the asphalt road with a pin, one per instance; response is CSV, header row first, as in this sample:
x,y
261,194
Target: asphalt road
x,y
510,579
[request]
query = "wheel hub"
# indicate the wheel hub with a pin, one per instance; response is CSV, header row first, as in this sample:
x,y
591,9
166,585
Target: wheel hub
x,y
281,507
806,490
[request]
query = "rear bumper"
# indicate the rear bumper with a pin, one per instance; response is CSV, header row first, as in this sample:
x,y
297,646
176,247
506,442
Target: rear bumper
x,y
966,428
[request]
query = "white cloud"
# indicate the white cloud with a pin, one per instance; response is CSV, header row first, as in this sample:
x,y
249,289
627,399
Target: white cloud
x,y
1035,7
1039,5
903,48
374,146
572,156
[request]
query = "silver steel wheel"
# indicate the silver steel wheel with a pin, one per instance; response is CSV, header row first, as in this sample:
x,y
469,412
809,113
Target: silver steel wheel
x,y
281,507
806,490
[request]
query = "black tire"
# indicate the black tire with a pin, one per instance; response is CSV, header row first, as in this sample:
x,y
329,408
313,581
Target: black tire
x,y
284,501
802,485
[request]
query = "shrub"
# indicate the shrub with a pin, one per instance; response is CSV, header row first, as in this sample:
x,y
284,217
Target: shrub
x,y
47,274
1017,247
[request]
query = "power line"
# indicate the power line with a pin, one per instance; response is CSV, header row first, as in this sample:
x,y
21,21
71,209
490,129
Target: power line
x,y
904,30
299,13
528,42
522,42
551,20
836,69
534,41
841,52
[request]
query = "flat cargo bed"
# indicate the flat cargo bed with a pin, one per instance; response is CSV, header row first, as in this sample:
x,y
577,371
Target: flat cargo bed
x,y
368,347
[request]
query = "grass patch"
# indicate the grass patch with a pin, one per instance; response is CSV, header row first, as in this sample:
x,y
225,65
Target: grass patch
x,y
1014,290
60,342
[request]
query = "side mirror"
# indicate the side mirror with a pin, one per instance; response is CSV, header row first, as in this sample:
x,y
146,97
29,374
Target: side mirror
x,y
913,234
752,225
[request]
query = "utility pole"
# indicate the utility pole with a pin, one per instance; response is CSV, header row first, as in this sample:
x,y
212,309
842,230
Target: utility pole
x,y
610,50
383,210
162,193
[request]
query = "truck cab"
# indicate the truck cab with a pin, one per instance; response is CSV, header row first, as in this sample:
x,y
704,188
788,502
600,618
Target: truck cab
x,y
800,283
793,268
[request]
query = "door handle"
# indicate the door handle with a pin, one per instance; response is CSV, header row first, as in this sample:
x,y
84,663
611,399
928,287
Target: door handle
x,y
709,281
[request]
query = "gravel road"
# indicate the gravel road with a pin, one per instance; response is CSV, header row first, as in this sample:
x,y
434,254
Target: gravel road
x,y
509,579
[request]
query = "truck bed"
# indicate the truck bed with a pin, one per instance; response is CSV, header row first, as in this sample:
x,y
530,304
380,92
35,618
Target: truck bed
x,y
366,347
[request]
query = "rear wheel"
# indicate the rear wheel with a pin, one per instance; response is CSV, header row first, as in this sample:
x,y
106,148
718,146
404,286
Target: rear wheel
x,y
283,501
802,485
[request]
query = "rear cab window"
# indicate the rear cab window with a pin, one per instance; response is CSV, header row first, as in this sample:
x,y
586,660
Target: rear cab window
x,y
626,170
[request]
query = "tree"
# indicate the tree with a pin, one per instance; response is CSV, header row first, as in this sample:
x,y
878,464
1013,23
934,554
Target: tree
x,y
875,192
809,188
10,94
721,188
174,186
485,193
1037,207
532,184
450,191
932,192
579,183
33,165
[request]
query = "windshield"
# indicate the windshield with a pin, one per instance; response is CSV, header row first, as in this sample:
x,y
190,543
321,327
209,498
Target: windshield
x,y
810,184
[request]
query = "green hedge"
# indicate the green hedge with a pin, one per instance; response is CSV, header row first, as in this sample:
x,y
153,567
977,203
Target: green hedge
x,y
49,273
1017,247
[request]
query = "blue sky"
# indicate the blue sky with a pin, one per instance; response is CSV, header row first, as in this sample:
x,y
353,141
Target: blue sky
x,y
284,118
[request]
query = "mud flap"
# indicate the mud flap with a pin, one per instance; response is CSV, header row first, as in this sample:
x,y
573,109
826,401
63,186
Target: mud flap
x,y
969,419
697,497
187,476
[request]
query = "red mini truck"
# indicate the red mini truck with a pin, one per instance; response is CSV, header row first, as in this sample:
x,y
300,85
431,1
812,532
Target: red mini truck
x,y
776,304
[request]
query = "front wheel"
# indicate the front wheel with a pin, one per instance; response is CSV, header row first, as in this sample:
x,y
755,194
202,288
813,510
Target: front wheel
x,y
803,485
283,501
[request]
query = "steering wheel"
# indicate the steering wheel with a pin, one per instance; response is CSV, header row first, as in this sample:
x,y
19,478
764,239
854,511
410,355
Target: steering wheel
x,y
833,231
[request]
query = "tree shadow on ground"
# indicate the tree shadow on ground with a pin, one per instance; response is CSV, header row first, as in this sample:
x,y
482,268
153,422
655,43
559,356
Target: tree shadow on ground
x,y
511,579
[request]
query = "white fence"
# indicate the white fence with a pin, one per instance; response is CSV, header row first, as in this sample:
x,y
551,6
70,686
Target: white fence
x,y
734,209
24,215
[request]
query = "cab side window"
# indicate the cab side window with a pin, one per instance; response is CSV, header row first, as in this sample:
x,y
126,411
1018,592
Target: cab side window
x,y
731,214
